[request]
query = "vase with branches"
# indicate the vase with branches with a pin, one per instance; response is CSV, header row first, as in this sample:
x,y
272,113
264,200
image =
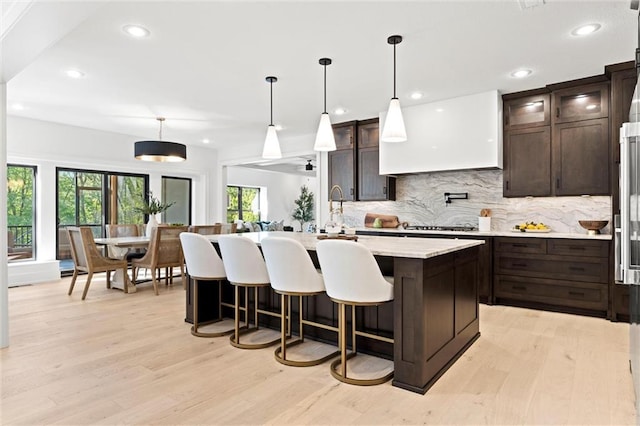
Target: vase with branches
x,y
304,206
151,208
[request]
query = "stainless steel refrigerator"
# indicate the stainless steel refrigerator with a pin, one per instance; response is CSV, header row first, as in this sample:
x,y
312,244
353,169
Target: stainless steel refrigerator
x,y
629,240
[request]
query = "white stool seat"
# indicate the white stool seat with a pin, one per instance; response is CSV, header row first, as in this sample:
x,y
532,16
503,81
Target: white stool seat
x,y
246,268
292,273
203,263
352,277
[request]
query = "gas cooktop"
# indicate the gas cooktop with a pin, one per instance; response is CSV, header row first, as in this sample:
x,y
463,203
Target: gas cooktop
x,y
440,228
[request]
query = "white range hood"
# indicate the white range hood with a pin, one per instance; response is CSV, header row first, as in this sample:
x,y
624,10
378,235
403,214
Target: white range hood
x,y
454,134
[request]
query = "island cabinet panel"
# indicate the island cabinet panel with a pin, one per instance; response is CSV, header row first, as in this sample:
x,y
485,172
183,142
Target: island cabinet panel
x,y
435,316
556,274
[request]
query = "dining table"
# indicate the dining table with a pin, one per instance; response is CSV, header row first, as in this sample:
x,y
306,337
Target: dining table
x,y
118,247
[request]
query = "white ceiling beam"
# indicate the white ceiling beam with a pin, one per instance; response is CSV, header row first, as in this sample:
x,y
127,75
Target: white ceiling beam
x,y
28,28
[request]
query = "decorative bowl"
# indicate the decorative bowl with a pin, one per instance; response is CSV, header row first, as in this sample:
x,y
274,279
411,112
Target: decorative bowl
x,y
593,227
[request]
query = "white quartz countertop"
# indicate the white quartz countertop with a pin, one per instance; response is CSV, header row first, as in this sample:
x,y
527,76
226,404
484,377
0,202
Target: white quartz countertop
x,y
518,234
417,248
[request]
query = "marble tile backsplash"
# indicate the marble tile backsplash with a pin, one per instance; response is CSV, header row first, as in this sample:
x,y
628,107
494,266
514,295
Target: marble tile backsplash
x,y
420,201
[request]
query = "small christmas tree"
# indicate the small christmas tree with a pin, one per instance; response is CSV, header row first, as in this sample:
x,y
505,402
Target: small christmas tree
x,y
303,211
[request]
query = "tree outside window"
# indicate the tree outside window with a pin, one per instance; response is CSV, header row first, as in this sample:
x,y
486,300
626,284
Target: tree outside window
x,y
243,203
20,211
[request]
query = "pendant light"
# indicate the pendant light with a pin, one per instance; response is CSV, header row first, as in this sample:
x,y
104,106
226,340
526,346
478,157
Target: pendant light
x,y
160,150
325,141
271,144
394,130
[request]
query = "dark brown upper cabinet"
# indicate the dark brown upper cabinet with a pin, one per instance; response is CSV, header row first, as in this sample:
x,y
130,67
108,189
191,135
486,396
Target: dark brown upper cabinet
x,y
527,162
371,185
354,165
342,161
581,103
528,111
568,154
581,157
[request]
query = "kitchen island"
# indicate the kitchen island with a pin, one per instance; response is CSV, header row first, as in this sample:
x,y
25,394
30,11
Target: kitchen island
x,y
434,316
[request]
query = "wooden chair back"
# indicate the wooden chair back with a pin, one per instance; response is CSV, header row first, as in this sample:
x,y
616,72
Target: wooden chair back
x,y
165,247
122,230
206,229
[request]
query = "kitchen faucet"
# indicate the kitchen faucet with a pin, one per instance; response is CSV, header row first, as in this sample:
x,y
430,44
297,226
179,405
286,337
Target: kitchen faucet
x,y
448,196
333,188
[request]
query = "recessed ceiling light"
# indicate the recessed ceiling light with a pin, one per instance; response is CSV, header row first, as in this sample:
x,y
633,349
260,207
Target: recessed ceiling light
x,y
279,127
521,73
340,111
416,95
439,110
75,74
18,107
585,29
136,31
205,140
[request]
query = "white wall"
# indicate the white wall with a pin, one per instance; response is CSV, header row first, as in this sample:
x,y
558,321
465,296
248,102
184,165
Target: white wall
x,y
251,153
49,145
281,190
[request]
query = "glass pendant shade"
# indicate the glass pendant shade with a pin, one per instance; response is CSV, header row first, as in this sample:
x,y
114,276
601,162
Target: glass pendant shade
x,y
394,130
325,141
271,148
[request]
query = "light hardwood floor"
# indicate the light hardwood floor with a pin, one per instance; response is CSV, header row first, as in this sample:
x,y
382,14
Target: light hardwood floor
x,y
130,359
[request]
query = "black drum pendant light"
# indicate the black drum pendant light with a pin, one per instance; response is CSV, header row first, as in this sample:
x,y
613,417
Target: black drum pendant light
x,y
394,130
160,150
271,147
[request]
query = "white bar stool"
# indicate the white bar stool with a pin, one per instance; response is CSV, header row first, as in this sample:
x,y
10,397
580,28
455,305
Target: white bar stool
x,y
292,273
245,268
352,277
203,263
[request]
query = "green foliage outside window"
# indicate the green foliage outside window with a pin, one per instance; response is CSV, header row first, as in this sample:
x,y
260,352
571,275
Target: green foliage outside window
x,y
243,203
19,196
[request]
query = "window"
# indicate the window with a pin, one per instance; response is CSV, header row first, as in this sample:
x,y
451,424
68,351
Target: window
x,y
94,198
20,211
177,191
243,203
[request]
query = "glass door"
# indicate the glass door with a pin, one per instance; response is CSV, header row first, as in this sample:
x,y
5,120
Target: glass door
x,y
177,191
94,198
81,202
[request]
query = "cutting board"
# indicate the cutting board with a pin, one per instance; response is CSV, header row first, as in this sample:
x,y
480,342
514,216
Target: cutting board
x,y
388,221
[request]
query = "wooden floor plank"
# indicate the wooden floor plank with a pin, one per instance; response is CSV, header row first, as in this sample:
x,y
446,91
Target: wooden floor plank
x,y
120,358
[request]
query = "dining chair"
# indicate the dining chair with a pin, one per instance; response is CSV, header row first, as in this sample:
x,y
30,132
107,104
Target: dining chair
x,y
87,258
203,264
352,277
292,273
164,251
124,230
206,229
245,268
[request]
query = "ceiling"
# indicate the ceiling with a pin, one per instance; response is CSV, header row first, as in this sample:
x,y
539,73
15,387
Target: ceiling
x,y
204,64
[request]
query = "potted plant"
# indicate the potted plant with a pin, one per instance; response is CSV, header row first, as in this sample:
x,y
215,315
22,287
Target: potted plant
x,y
303,210
152,208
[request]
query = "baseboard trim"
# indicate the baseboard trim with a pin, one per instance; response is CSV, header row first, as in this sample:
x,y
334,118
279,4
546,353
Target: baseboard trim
x,y
33,272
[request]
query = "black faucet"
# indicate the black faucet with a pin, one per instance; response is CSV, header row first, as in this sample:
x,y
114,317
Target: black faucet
x,y
448,196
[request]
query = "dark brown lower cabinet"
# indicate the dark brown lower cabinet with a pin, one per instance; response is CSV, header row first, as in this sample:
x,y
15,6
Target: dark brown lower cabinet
x,y
620,302
564,275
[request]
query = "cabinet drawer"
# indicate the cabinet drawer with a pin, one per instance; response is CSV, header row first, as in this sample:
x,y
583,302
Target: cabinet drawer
x,y
520,245
581,269
582,295
578,248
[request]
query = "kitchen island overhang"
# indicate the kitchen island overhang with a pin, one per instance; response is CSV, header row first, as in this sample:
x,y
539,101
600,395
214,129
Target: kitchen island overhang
x,y
435,309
